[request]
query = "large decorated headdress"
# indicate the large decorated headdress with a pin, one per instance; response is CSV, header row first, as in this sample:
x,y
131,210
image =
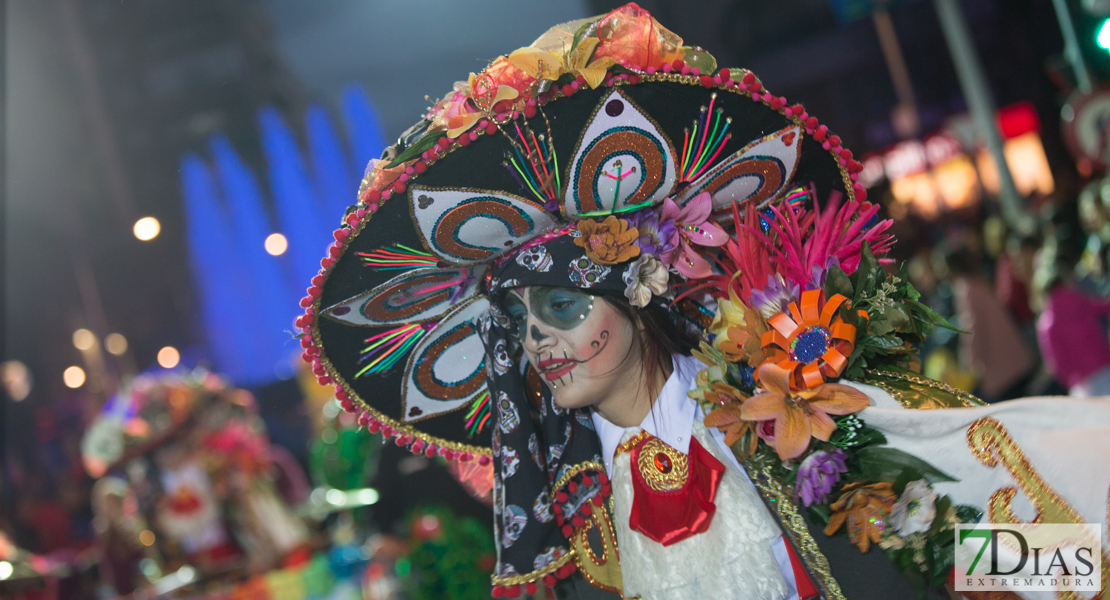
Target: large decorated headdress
x,y
607,155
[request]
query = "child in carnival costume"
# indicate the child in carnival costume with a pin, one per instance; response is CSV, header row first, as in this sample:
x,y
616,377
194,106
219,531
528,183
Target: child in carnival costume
x,y
643,291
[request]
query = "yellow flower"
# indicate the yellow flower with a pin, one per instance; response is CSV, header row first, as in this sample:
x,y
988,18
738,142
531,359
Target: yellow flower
x,y
799,415
730,327
543,64
609,242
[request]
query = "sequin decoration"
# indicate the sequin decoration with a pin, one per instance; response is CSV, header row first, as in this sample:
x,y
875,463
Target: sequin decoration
x,y
446,370
811,344
622,162
757,173
470,226
416,296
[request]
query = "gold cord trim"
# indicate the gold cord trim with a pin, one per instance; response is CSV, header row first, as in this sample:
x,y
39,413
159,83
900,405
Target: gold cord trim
x,y
575,470
537,575
797,531
903,398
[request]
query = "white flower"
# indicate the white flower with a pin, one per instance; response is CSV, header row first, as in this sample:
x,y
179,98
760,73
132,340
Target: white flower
x,y
644,277
915,510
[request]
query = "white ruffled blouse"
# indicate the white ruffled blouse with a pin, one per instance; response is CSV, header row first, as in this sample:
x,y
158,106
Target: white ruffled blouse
x,y
741,555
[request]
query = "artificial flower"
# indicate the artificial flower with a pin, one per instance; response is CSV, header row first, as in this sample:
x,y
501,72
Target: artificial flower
x,y
775,297
818,474
810,341
766,432
455,105
608,242
727,418
656,236
730,327
915,510
694,228
643,278
551,65
799,416
487,88
863,506
633,38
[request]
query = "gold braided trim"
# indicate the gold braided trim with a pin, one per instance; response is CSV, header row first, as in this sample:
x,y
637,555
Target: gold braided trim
x,y
575,470
535,575
906,399
796,529
632,442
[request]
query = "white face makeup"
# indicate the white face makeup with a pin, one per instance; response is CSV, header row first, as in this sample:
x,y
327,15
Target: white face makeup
x,y
583,349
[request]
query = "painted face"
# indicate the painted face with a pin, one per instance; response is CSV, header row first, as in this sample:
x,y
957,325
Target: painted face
x,y
581,346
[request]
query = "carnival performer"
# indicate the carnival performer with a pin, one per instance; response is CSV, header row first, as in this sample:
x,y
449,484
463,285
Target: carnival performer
x,y
650,297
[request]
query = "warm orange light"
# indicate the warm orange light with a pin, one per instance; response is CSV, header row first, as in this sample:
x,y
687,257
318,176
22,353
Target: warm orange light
x,y
957,182
1028,166
74,377
115,343
168,357
147,537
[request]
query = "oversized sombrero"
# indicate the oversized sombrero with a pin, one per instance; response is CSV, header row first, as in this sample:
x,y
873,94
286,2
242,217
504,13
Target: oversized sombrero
x,y
609,116
390,319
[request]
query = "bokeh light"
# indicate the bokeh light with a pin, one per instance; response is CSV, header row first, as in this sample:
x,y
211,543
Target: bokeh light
x,y
168,357
115,343
276,244
17,379
83,339
147,228
74,377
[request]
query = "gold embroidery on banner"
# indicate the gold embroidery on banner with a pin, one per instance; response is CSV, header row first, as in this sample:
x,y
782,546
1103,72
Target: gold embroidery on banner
x,y
991,443
663,468
601,572
797,531
917,398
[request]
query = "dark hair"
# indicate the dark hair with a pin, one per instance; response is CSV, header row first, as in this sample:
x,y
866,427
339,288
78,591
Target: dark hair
x,y
664,334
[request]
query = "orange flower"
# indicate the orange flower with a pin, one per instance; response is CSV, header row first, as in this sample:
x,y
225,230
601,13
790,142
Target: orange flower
x,y
811,342
863,507
799,416
609,242
632,37
727,418
486,86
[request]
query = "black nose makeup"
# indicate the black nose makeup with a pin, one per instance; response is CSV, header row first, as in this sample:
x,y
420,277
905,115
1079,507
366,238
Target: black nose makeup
x,y
536,335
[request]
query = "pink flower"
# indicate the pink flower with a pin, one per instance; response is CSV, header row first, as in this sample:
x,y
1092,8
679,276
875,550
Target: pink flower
x,y
694,228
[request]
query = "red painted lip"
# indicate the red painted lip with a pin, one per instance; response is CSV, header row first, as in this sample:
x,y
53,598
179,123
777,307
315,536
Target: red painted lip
x,y
554,368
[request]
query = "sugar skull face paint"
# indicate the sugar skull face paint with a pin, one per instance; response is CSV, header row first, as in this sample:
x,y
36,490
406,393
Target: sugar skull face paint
x,y
583,348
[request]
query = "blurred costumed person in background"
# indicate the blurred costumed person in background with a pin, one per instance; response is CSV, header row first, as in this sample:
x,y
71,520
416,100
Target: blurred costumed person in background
x,y
185,478
646,289
1072,329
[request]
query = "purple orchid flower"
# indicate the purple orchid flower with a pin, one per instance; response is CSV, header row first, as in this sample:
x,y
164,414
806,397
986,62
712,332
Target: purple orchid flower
x,y
656,235
818,474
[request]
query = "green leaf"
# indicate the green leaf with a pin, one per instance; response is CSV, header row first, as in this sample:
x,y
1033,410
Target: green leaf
x,y
820,513
588,28
905,478
416,149
930,316
837,282
968,514
704,61
887,341
883,463
868,275
942,506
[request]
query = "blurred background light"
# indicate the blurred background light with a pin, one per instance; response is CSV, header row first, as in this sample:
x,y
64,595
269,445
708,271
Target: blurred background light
x,y
168,357
83,339
147,228
16,378
115,343
74,377
276,244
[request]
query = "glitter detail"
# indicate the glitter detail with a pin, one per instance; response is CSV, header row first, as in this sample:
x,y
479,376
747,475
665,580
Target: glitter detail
x,y
810,344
